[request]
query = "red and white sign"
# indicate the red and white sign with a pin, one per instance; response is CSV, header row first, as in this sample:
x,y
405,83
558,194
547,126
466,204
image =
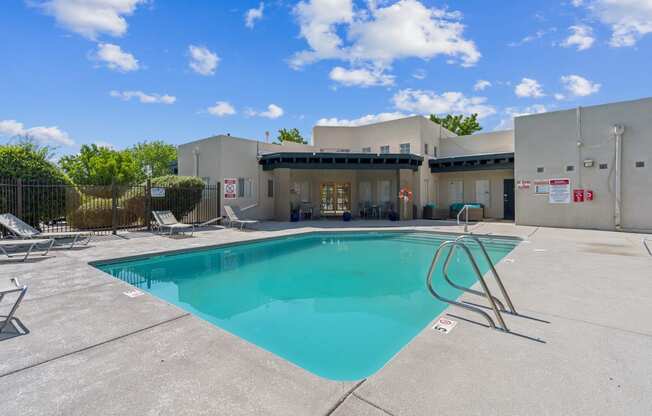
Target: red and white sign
x,y
559,191
588,195
444,325
578,195
523,184
230,188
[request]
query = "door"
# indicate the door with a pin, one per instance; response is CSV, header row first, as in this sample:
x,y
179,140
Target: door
x,y
482,193
335,198
456,192
508,199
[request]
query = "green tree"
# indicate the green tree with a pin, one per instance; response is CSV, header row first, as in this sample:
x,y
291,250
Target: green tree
x,y
460,125
40,204
96,165
291,135
156,154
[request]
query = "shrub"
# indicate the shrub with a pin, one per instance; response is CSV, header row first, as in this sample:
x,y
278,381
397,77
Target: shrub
x,y
94,214
40,204
182,194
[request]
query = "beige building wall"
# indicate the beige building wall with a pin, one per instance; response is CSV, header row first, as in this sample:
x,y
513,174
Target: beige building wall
x,y
219,157
416,130
481,143
469,183
554,141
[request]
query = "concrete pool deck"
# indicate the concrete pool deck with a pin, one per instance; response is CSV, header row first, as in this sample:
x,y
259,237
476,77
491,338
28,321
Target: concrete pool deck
x,y
583,346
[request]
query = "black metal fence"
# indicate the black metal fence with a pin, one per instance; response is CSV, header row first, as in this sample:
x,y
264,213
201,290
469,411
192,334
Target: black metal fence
x,y
102,208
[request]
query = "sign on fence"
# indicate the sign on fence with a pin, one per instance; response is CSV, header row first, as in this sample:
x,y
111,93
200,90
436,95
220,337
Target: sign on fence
x,y
230,188
157,192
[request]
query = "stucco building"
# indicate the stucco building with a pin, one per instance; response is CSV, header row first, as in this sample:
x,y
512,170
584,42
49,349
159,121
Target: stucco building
x,y
533,174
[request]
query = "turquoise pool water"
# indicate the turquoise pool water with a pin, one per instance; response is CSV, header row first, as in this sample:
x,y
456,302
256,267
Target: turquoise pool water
x,y
339,305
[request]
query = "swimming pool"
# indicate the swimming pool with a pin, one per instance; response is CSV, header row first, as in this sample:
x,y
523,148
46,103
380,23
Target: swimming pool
x,y
340,305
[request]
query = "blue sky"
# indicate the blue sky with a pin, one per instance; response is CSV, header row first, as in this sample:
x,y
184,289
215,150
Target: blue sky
x,y
121,71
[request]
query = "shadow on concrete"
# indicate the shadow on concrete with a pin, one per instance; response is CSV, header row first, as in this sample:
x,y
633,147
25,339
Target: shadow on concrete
x,y
15,329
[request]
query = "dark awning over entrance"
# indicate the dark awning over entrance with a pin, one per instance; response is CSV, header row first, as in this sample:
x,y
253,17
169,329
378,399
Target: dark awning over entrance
x,y
492,161
320,160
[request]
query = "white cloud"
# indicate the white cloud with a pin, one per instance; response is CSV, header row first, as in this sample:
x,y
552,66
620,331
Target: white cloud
x,y
202,60
510,112
414,30
578,86
529,88
428,102
254,14
535,36
273,112
91,18
143,97
115,58
629,20
481,85
581,37
101,143
42,134
368,119
360,77
420,74
221,109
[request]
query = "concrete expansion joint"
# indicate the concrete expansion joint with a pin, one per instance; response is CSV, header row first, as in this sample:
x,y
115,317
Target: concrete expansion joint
x,y
373,405
99,344
344,397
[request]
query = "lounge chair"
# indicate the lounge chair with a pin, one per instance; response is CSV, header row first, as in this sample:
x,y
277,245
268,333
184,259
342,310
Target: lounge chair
x,y
7,286
167,220
21,229
30,244
233,218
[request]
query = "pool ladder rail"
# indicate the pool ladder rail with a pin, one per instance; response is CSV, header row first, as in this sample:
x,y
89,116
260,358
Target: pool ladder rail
x,y
496,305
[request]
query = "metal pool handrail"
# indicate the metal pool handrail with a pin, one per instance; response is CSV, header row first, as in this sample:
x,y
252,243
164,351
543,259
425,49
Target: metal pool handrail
x,y
645,240
465,208
476,269
499,281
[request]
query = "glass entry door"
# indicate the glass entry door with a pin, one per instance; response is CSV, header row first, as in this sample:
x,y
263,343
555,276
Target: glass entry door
x,y
335,198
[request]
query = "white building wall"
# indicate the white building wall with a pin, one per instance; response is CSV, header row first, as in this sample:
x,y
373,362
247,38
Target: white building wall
x,y
553,141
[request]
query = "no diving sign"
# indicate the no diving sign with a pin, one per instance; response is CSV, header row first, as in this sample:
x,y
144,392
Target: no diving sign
x,y
444,325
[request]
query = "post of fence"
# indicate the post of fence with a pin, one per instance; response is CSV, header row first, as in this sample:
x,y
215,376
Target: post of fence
x,y
114,208
19,198
148,204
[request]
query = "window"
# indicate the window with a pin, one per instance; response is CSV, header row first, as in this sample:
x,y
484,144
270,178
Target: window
x,y
434,151
425,149
343,150
640,164
540,169
241,187
604,166
570,168
384,191
366,150
270,188
384,149
302,190
245,188
405,147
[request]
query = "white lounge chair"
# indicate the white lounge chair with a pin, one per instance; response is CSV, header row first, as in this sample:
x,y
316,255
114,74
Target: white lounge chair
x,y
30,244
233,218
7,286
21,229
167,220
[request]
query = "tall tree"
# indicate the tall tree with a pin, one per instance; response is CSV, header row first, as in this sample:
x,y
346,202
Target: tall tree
x,y
155,156
96,165
460,125
291,135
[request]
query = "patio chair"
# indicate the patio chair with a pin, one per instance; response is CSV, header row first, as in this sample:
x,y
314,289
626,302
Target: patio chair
x,y
30,244
21,229
166,219
7,286
233,218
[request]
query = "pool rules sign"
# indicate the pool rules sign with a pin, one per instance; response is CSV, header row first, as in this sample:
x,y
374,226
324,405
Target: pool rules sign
x,y
559,191
230,188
